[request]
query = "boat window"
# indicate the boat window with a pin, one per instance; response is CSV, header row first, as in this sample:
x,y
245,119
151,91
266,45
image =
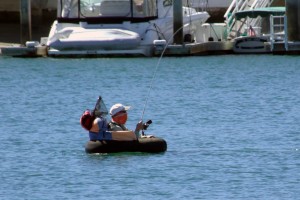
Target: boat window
x,y
83,9
68,9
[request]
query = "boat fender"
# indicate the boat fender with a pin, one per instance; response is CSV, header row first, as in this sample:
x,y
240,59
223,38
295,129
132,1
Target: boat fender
x,y
32,44
160,43
87,119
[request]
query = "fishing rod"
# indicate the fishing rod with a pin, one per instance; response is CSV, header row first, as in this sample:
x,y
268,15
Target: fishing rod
x,y
155,72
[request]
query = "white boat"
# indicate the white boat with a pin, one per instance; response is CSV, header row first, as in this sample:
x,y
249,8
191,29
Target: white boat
x,y
117,27
253,40
251,44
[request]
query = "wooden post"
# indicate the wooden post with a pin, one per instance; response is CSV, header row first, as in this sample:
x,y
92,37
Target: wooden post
x,y
25,20
293,21
177,23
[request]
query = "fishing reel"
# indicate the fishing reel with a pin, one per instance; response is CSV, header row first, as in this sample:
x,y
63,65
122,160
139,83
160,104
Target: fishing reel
x,y
147,124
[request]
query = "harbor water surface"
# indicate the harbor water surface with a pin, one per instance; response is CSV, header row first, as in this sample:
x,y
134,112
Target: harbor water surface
x,y
231,123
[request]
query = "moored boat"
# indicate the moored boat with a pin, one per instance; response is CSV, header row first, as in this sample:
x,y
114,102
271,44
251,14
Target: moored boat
x,y
117,27
257,37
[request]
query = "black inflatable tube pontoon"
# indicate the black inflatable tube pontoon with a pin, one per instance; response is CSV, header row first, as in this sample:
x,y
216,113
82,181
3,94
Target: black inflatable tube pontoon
x,y
150,145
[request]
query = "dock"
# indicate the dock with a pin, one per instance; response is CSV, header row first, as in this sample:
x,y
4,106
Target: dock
x,y
173,50
193,49
292,48
31,49
27,52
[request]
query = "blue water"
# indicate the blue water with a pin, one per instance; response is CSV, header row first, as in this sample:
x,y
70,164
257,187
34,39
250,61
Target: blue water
x,y
232,124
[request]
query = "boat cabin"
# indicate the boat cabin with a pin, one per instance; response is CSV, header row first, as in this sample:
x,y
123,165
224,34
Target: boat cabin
x,y
259,20
106,11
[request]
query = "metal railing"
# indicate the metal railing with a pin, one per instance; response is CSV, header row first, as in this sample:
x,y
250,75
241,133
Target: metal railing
x,y
278,31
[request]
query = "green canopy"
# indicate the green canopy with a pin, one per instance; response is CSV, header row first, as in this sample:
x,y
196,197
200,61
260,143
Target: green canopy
x,y
263,12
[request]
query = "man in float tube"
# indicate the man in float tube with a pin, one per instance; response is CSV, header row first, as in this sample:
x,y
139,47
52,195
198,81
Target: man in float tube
x,y
119,117
95,122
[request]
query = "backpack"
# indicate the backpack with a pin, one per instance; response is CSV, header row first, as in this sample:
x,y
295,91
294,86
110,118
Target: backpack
x,y
87,119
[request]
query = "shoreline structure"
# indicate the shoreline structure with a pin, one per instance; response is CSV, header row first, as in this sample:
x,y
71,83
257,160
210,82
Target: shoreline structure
x,y
43,13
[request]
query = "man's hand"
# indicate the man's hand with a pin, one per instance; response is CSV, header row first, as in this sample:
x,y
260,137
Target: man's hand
x,y
139,126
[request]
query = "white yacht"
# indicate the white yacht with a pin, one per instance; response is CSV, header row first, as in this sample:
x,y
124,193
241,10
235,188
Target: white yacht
x,y
118,27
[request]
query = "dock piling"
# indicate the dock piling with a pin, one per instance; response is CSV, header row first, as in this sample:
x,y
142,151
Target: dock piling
x,y
177,23
25,21
293,14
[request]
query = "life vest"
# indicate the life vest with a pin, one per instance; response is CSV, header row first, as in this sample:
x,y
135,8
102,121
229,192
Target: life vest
x,y
87,119
113,126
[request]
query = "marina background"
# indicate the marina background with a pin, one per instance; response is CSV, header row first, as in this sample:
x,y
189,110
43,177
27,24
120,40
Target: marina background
x,y
231,123
44,13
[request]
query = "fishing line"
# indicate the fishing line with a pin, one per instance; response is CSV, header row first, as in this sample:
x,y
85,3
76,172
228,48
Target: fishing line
x,y
155,71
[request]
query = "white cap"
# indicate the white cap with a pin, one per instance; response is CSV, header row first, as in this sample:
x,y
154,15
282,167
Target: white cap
x,y
117,108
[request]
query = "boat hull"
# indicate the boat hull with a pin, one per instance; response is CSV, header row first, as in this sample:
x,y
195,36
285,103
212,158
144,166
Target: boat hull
x,y
149,145
79,38
251,45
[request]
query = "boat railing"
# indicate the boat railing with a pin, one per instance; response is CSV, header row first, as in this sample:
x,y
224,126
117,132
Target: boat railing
x,y
235,6
261,4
